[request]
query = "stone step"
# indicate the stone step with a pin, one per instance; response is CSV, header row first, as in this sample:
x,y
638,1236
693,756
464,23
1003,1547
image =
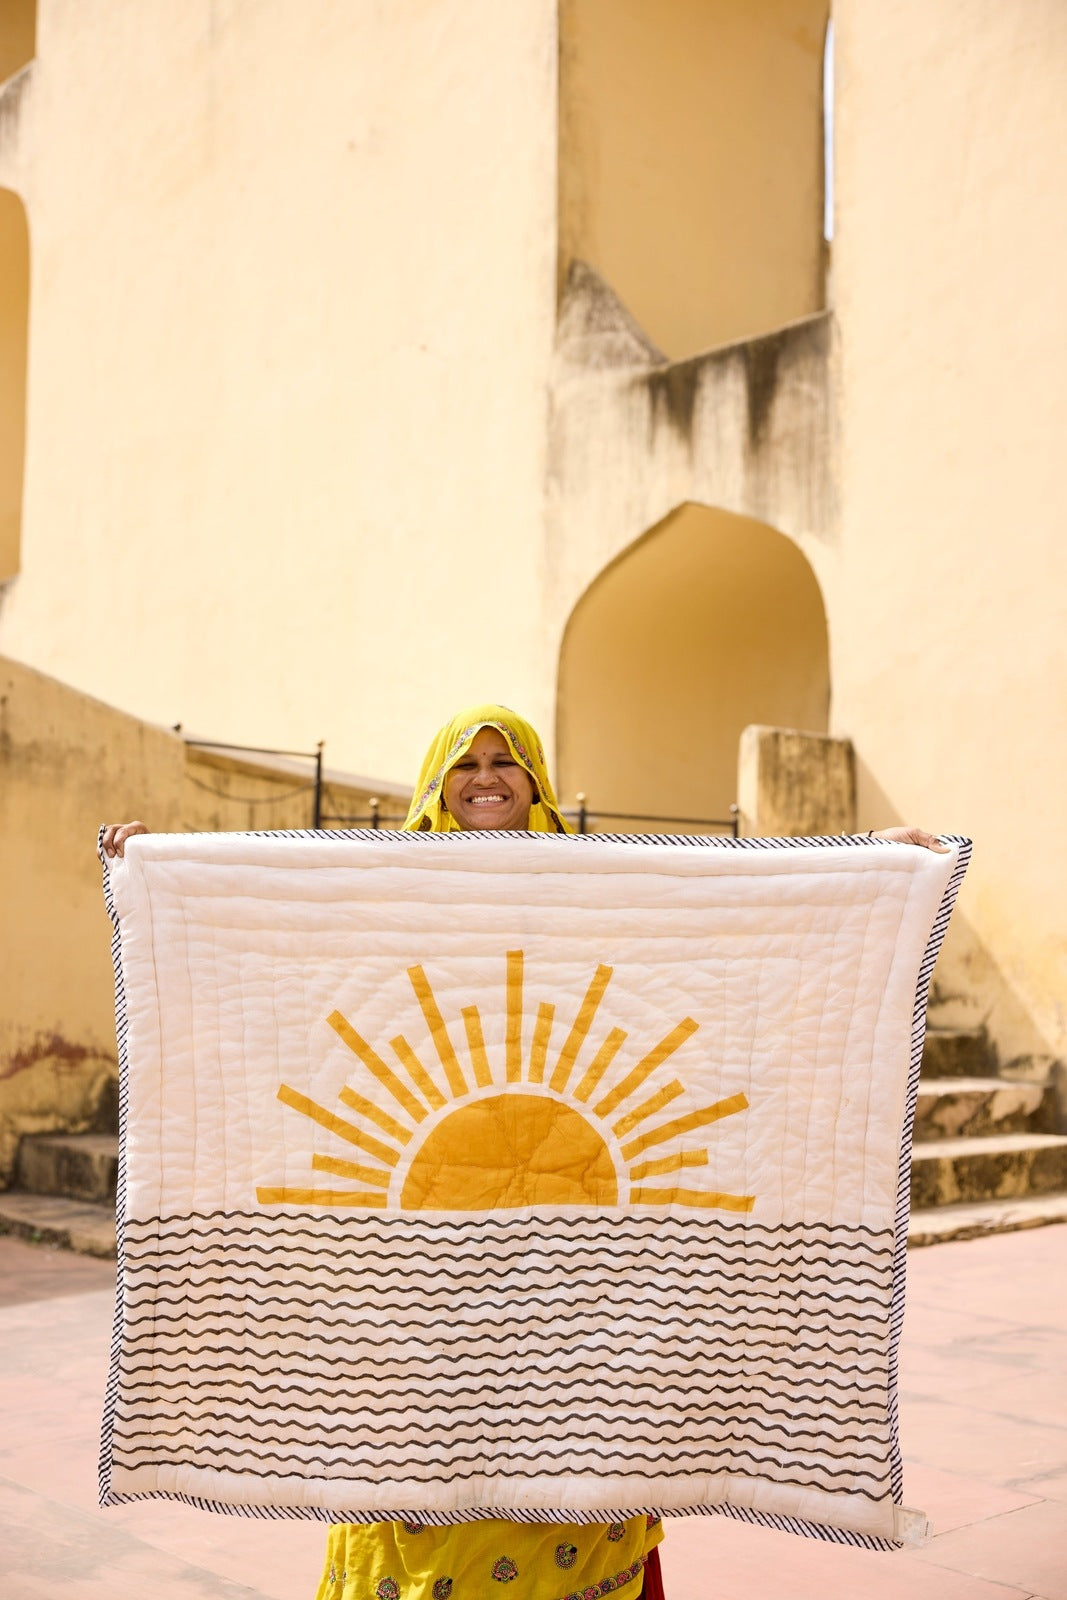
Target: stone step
x,y
79,1166
52,1219
956,1108
957,1053
1004,1166
992,1216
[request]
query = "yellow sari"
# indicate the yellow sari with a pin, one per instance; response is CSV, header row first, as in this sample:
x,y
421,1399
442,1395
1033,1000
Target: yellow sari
x,y
451,743
489,1559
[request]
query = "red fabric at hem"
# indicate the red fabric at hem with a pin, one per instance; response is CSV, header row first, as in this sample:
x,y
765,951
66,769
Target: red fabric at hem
x,y
652,1589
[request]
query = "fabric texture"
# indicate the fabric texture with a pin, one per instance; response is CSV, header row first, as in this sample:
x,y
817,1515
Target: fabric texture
x,y
451,743
543,1178
482,1561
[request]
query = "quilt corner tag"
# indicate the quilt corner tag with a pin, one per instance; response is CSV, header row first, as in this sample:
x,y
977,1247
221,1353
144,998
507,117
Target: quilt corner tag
x,y
911,1527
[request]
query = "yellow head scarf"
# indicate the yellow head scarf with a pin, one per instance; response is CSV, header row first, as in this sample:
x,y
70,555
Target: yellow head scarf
x,y
453,741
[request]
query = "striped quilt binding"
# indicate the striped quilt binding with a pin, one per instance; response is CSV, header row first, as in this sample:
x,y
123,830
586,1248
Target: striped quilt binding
x,y
765,1519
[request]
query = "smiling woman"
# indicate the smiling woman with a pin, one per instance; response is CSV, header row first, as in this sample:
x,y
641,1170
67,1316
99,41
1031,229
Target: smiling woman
x,y
486,770
487,788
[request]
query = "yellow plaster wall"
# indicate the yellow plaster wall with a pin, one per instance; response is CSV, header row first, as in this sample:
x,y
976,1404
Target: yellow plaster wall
x,y
709,623
14,315
948,603
293,288
67,764
691,161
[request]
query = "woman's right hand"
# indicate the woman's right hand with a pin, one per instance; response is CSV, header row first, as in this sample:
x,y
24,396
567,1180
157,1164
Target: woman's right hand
x,y
115,835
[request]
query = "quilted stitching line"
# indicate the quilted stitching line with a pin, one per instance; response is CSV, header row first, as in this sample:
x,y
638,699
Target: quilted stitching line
x,y
592,841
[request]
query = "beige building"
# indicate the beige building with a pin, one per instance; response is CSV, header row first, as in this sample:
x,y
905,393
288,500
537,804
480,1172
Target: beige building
x,y
361,361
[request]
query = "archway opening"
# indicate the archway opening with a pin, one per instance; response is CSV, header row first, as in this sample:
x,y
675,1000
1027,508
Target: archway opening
x,y
707,623
14,320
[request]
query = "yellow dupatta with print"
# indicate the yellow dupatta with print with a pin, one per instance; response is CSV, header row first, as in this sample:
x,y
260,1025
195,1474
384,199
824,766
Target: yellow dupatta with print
x,y
452,742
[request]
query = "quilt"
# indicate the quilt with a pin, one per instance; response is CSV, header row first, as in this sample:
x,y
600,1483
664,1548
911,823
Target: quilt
x,y
555,1178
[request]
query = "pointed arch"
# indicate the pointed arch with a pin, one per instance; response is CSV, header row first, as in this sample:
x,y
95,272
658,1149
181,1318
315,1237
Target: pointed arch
x,y
706,623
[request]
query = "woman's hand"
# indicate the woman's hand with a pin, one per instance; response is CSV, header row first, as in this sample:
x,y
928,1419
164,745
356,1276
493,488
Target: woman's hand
x,y
911,836
115,835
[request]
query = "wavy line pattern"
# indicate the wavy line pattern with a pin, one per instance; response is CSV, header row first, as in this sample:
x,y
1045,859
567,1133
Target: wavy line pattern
x,y
446,1347
756,1358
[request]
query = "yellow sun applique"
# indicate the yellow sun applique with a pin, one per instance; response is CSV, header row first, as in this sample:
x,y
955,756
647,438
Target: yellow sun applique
x,y
466,1137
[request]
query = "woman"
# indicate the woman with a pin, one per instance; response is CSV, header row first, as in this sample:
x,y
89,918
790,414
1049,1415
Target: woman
x,y
486,770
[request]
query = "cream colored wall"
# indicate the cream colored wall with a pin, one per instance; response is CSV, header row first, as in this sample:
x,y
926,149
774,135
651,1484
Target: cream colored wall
x,y
711,622
293,290
948,604
293,273
691,161
14,314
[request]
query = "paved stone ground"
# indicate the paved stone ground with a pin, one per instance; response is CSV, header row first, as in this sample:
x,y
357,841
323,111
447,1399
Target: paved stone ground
x,y
984,1423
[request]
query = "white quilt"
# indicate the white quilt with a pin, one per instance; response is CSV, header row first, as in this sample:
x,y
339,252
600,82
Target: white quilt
x,y
553,1178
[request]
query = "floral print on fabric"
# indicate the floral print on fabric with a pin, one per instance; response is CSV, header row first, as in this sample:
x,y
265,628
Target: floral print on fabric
x,y
504,1570
414,1526
606,1585
442,1589
566,1555
616,1531
388,1589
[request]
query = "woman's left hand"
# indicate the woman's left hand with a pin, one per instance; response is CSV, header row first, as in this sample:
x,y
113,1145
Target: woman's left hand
x,y
928,841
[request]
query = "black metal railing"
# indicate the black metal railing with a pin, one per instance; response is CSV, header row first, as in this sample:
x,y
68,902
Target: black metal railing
x,y
582,815
374,818
314,787
584,818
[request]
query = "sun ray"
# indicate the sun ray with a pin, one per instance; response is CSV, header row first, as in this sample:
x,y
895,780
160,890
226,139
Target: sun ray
x,y
680,1125
582,1024
539,1047
351,1169
647,1065
534,1149
419,1076
375,1065
647,1108
665,1164
367,1108
704,1200
319,1197
600,1063
438,1032
335,1124
472,1022
513,1018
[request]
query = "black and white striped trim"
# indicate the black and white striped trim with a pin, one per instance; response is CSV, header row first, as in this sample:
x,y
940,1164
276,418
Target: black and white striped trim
x,y
601,1514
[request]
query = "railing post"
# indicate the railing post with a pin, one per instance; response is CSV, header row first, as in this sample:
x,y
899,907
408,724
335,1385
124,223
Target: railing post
x,y
735,814
374,818
317,819
582,813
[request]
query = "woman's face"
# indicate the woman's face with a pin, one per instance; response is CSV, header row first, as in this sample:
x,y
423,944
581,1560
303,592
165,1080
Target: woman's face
x,y
487,787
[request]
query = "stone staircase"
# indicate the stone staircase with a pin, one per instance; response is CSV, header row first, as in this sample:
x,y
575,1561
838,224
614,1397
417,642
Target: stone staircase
x,y
988,1158
64,1191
